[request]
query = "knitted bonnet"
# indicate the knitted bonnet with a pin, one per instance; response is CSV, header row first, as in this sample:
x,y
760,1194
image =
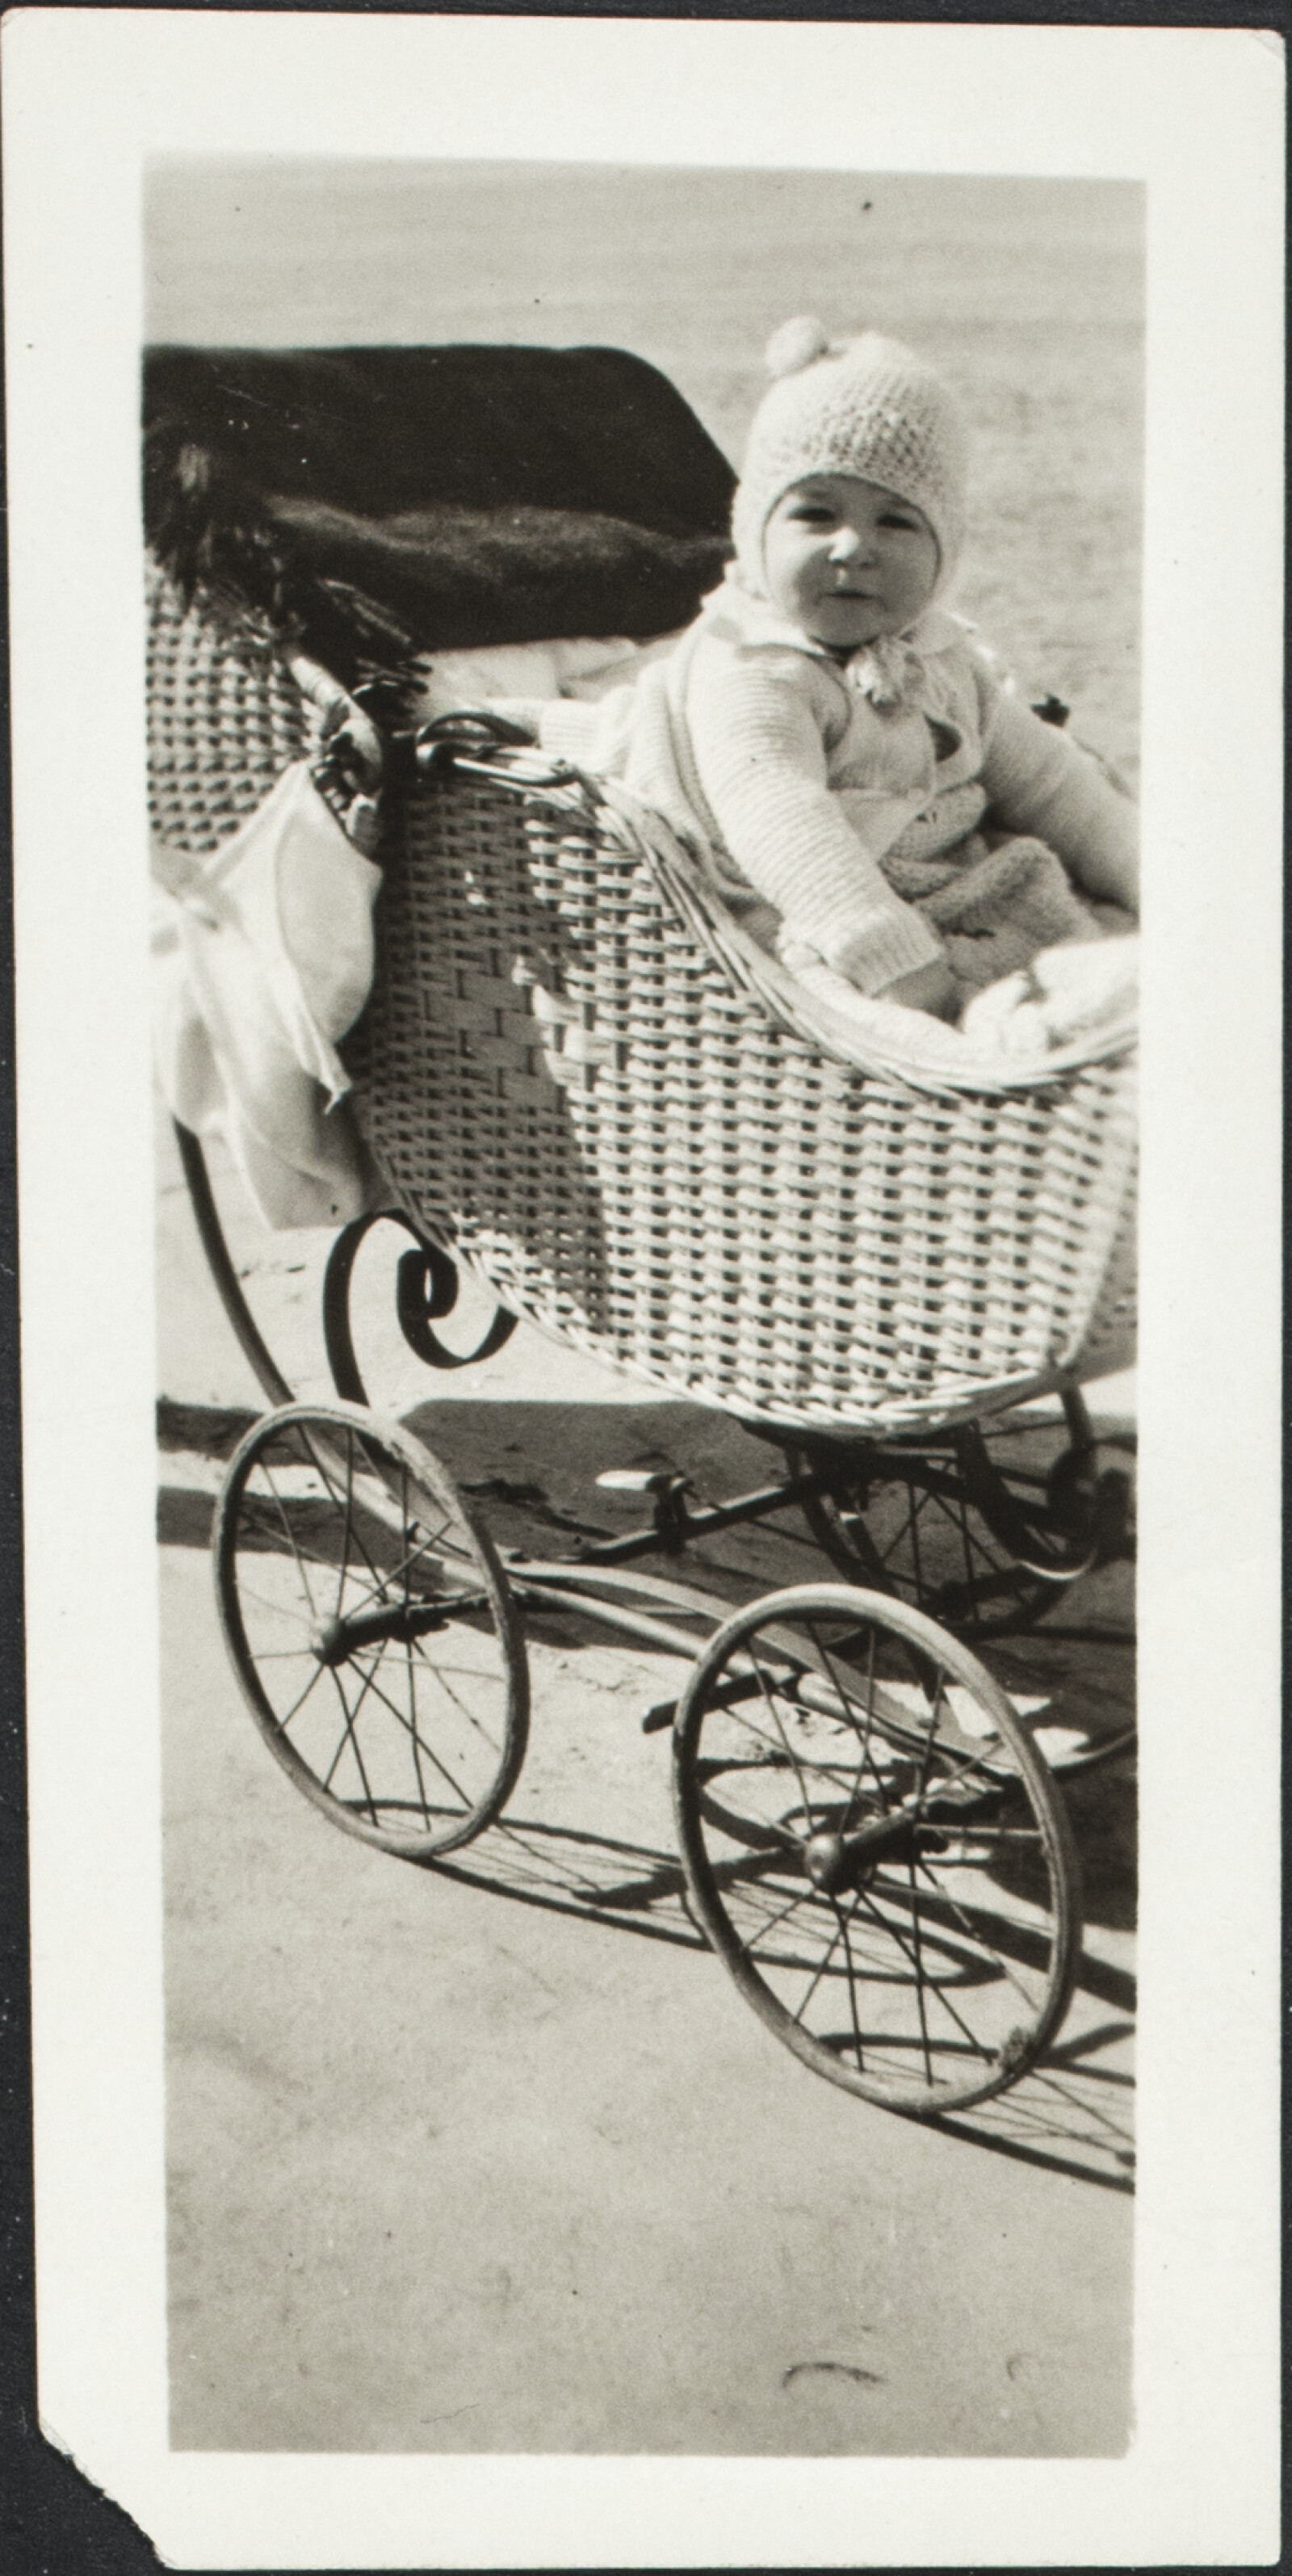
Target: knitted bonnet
x,y
867,407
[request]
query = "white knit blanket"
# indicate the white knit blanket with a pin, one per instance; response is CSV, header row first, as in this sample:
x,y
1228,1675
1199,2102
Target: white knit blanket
x,y
1073,1003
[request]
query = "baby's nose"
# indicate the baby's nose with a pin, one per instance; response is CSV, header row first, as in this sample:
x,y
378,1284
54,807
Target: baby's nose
x,y
847,543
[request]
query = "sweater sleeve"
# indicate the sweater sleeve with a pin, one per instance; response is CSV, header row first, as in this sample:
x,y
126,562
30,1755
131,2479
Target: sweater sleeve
x,y
1038,781
760,755
569,730
592,733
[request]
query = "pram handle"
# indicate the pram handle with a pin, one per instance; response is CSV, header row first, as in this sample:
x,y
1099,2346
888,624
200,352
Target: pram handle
x,y
486,745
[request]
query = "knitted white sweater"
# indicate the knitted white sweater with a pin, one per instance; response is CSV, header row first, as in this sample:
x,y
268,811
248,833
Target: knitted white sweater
x,y
768,756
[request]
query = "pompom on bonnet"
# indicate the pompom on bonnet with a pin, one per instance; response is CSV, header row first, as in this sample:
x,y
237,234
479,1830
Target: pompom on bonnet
x,y
867,407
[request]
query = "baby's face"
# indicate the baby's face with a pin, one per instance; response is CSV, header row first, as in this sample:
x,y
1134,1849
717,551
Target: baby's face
x,y
847,560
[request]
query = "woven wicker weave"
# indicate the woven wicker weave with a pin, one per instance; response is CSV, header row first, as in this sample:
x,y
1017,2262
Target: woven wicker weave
x,y
225,718
562,1083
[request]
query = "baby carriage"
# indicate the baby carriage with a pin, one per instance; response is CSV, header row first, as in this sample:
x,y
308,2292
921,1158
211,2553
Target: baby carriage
x,y
577,1090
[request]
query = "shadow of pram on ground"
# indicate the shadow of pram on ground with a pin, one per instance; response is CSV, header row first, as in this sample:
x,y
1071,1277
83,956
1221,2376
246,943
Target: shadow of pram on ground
x,y
571,1842
1072,2114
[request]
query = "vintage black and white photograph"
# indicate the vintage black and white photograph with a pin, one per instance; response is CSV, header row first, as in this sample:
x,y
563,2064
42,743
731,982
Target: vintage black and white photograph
x,y
709,973
641,701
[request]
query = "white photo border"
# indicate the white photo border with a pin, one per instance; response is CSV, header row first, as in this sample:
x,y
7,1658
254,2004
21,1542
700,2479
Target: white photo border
x,y
1198,115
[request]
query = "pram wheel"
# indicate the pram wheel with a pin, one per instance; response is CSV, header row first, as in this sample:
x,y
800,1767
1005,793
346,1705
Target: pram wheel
x,y
371,1628
875,1848
973,1530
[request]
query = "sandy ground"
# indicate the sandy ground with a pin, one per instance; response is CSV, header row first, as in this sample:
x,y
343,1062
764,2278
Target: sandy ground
x,y
496,2158
1030,293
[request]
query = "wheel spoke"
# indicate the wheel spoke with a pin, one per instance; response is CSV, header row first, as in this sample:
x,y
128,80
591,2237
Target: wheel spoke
x,y
321,1470
779,1724
441,1672
852,1984
977,1932
919,1976
825,1962
880,1790
260,1538
279,1609
431,1735
961,1530
384,1583
910,1902
930,1734
804,1896
349,1519
381,1583
299,1702
348,1735
428,1749
1081,2102
846,1696
354,1745
908,1951
780,1756
291,1538
415,1744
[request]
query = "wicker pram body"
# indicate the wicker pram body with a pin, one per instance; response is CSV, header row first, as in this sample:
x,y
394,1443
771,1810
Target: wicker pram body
x,y
564,1085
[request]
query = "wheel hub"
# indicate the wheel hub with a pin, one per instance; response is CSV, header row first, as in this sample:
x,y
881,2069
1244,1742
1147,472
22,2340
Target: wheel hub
x,y
839,1862
330,1641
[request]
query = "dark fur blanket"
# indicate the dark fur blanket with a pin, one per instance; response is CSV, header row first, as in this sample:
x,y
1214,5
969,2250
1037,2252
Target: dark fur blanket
x,y
377,502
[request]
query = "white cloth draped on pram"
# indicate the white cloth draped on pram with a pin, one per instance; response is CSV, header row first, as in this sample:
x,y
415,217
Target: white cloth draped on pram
x,y
263,958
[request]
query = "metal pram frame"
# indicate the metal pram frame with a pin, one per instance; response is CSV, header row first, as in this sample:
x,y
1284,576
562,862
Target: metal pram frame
x,y
575,1090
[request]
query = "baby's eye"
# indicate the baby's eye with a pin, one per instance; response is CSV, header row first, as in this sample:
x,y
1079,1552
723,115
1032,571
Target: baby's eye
x,y
899,519
812,514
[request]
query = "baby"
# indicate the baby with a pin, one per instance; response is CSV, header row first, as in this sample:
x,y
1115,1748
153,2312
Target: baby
x,y
863,792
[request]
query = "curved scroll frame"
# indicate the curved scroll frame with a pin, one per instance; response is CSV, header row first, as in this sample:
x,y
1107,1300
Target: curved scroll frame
x,y
426,1289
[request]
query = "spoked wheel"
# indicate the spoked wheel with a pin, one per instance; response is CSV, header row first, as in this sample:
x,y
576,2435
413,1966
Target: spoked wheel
x,y
370,1625
974,1529
875,1848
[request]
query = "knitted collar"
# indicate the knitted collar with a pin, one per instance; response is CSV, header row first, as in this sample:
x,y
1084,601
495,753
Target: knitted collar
x,y
890,672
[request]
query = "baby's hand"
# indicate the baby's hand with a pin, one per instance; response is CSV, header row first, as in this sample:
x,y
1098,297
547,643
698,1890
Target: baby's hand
x,y
931,988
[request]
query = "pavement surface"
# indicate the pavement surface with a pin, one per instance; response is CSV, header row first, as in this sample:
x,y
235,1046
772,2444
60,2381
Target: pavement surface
x,y
494,2157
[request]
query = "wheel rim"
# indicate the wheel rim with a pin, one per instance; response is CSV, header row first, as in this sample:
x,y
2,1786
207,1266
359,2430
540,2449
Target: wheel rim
x,y
973,1533
371,1628
876,1849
